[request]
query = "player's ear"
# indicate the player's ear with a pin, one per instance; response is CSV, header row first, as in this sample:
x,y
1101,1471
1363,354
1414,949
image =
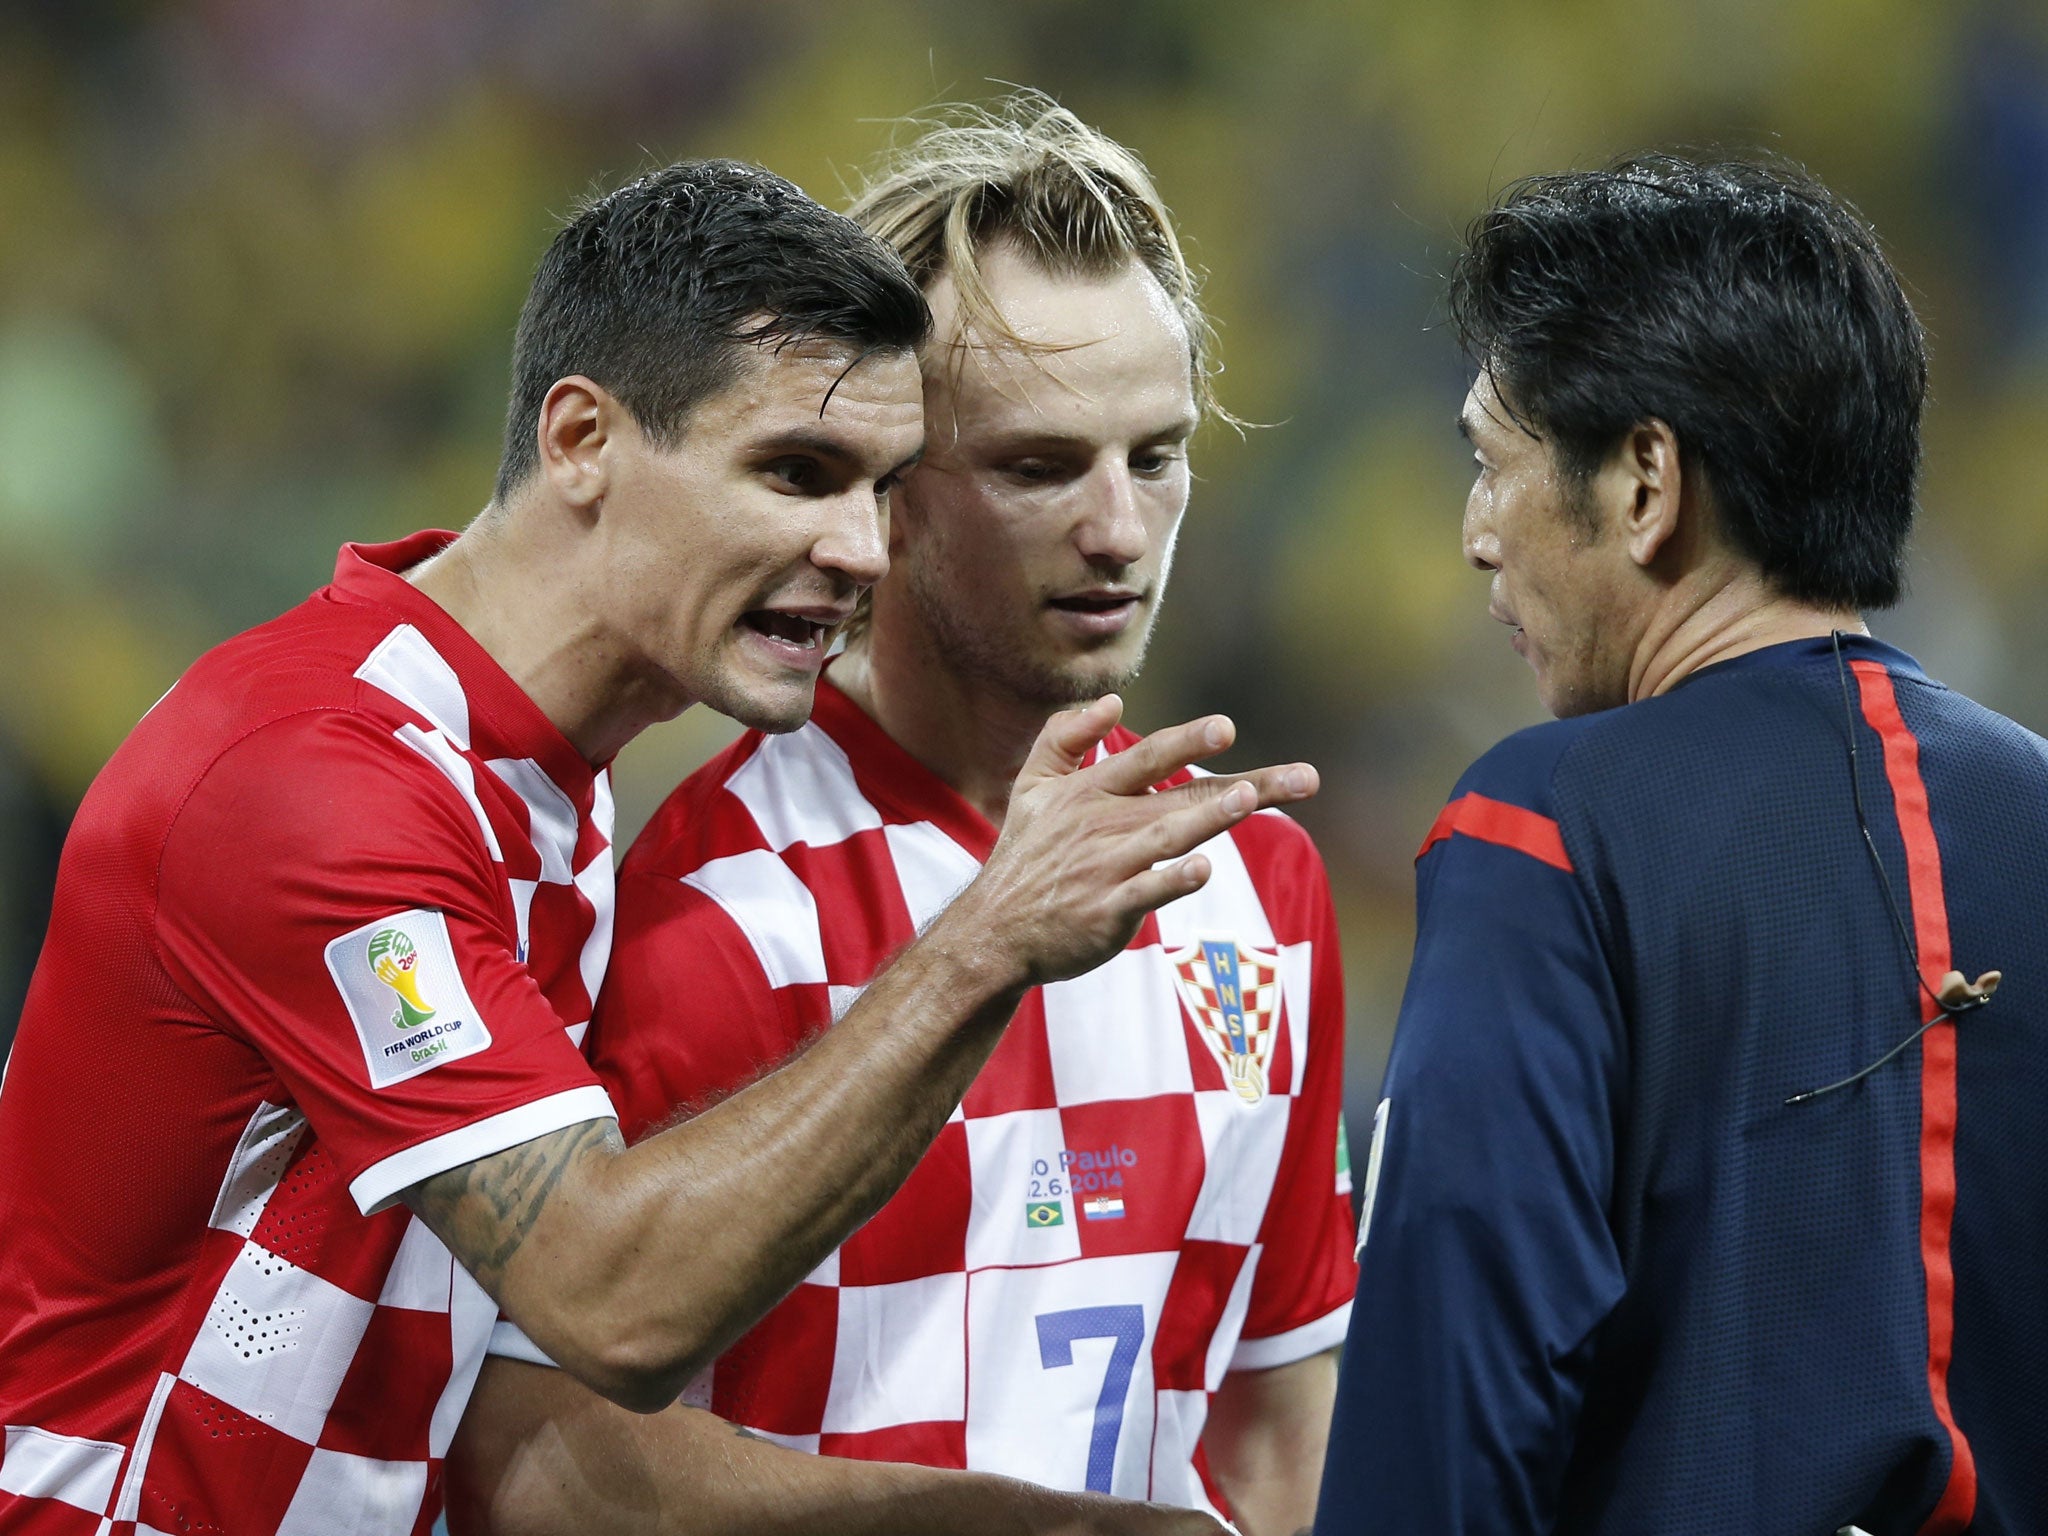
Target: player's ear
x,y
578,420
1648,476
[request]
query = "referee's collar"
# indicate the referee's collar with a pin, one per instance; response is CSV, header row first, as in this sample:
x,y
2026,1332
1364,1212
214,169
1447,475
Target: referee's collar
x,y
1813,650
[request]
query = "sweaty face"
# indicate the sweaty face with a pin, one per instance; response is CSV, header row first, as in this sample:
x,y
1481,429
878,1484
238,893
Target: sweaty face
x,y
1556,581
731,555
1033,541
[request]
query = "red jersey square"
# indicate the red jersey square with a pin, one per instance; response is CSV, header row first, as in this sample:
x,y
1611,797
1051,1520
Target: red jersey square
x,y
770,1379
1196,1301
936,1443
379,1413
922,1231
1019,1073
1132,1172
862,918
250,1471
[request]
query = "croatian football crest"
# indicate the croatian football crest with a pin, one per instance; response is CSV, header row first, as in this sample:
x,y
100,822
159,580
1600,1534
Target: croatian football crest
x,y
1233,993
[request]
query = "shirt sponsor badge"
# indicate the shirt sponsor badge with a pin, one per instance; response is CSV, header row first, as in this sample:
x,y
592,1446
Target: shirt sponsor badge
x,y
1233,993
405,996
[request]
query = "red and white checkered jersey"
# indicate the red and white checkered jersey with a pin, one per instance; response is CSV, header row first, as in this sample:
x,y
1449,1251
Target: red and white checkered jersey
x,y
1140,1191
318,930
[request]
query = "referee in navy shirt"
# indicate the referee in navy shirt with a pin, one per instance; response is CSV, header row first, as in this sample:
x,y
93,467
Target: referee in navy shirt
x,y
1709,1190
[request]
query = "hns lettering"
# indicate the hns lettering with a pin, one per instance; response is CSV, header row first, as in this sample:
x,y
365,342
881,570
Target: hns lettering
x,y
1232,992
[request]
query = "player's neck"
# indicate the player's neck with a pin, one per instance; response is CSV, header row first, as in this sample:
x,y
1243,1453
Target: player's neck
x,y
970,736
1717,616
523,602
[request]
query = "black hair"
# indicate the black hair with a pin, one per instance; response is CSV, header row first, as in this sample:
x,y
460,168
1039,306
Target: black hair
x,y
652,289
1746,307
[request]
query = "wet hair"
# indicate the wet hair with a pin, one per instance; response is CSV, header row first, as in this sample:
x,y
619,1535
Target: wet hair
x,y
1028,172
652,291
1746,307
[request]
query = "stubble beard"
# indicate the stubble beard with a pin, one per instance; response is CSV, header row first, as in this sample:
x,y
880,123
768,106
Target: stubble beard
x,y
787,712
973,652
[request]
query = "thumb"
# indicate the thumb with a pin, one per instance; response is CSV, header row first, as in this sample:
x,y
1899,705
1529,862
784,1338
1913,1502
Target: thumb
x,y
1069,736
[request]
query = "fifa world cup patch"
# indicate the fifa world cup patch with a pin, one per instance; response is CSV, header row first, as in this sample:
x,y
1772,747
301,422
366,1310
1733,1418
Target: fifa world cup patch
x,y
404,994
1232,992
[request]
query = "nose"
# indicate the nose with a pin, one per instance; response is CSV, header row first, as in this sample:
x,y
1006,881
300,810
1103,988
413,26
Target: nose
x,y
1112,528
853,538
1481,543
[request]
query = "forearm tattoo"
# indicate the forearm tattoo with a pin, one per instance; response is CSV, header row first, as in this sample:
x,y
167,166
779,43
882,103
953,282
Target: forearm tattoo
x,y
486,1209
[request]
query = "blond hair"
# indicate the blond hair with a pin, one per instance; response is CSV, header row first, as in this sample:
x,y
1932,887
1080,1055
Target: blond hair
x,y
1028,171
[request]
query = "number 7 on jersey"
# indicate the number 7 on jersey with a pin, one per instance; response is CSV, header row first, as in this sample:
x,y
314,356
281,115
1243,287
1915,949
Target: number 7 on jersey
x,y
1057,1333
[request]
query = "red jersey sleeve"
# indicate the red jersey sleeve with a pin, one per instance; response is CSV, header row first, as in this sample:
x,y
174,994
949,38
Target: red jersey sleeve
x,y
688,1015
1301,1291
328,897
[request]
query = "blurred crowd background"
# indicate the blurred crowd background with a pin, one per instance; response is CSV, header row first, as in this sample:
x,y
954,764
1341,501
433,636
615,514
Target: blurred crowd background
x,y
260,262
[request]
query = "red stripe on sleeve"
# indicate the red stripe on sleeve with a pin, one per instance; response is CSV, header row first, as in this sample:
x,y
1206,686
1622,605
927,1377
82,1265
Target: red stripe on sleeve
x,y
1958,1502
1496,821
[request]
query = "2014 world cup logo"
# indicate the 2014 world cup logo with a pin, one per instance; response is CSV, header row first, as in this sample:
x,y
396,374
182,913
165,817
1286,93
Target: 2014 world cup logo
x,y
395,962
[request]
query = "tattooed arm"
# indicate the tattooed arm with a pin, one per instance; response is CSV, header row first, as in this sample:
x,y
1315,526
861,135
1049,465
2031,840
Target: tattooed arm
x,y
485,1210
634,1269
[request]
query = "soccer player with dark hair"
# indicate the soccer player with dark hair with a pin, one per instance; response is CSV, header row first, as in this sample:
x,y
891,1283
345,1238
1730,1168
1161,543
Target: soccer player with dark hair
x,y
1703,1196
1126,1265
296,1103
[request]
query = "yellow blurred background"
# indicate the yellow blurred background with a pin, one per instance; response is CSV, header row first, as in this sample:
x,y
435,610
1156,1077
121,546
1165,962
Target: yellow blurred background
x,y
260,262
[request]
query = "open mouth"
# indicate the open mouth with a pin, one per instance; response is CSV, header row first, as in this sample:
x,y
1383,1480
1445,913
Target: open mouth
x,y
1092,603
790,628
1097,615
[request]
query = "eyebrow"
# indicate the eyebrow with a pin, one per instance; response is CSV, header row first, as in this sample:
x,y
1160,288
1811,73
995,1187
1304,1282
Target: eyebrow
x,y
1178,431
812,440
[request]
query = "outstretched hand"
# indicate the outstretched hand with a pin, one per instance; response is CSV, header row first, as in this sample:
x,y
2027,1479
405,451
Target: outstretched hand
x,y
1086,852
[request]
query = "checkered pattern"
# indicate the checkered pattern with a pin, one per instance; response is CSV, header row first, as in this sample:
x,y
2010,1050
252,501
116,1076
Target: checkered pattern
x,y
214,1316
1104,1228
331,1366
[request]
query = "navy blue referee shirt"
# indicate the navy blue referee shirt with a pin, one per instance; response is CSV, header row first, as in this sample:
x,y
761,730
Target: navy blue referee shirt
x,y
1611,1281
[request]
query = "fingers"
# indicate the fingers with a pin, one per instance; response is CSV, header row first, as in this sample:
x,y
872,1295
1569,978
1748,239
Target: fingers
x,y
1182,825
1191,814
1154,888
1282,784
1069,736
1164,753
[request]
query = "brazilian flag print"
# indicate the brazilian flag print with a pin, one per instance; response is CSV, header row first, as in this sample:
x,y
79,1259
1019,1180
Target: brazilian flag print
x,y
1044,1213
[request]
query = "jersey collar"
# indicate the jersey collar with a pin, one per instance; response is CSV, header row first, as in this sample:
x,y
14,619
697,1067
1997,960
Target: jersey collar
x,y
897,783
893,781
372,573
1811,651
